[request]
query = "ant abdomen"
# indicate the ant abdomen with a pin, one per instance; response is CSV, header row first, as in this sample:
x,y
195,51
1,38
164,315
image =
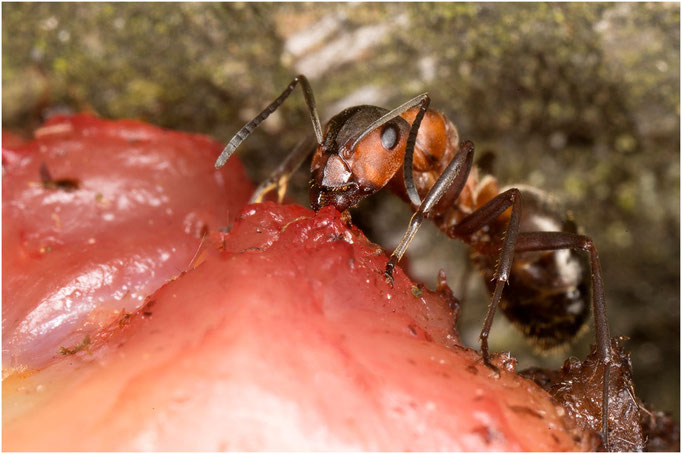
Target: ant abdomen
x,y
548,292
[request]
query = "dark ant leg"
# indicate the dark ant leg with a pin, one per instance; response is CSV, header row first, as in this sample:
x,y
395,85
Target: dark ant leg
x,y
545,241
477,220
455,175
279,179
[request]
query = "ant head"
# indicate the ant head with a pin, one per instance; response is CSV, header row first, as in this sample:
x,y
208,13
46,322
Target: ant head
x,y
361,150
357,157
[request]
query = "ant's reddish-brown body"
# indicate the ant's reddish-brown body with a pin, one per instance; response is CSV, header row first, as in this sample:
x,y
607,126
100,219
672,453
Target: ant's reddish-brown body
x,y
416,153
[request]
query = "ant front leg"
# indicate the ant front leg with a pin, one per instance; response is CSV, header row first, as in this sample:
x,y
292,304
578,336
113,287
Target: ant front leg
x,y
477,220
547,241
279,179
455,175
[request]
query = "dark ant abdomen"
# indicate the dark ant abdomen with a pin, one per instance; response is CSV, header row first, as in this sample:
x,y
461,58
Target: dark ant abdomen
x,y
548,294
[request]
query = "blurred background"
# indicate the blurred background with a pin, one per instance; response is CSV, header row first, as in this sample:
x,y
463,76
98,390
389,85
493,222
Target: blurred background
x,y
580,100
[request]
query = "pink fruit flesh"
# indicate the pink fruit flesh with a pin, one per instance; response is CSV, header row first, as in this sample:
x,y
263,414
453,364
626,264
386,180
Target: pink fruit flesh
x,y
11,140
73,257
283,335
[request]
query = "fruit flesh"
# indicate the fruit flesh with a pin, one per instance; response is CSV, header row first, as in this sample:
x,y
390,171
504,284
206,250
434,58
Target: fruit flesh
x,y
283,334
75,257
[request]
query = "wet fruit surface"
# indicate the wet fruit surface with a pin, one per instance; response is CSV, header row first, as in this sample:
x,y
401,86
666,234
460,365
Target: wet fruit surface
x,y
280,334
96,215
283,334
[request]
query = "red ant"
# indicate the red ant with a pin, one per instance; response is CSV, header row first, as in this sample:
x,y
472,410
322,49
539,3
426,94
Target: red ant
x,y
416,152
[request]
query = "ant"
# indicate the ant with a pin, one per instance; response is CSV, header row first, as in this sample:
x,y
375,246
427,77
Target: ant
x,y
415,151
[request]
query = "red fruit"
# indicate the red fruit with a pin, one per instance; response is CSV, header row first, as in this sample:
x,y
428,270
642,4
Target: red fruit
x,y
10,139
285,336
118,209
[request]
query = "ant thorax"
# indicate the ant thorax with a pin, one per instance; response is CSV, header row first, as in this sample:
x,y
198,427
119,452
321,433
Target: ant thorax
x,y
436,145
477,192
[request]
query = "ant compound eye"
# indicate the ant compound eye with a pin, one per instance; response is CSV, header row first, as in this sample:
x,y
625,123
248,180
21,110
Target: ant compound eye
x,y
389,136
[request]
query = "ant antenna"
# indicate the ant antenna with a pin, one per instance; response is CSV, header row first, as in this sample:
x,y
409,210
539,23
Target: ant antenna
x,y
423,101
248,128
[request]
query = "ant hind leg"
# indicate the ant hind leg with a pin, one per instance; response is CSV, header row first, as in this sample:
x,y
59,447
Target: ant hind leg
x,y
546,241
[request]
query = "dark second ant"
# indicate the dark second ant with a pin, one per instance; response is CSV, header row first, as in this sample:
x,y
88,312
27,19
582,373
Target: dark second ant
x,y
416,152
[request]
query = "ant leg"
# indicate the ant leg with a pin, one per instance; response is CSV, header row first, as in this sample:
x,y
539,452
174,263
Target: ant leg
x,y
545,241
477,220
455,175
279,179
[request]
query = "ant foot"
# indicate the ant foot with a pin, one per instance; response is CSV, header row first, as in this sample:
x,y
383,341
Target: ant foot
x,y
388,274
491,366
389,277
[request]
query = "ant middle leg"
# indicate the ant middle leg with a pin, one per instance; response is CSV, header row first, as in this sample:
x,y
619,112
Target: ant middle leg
x,y
453,178
479,219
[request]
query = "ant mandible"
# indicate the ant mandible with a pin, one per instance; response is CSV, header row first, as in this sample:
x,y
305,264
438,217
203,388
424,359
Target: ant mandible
x,y
415,151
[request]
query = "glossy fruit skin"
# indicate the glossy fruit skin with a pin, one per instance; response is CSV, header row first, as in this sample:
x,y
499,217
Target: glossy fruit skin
x,y
74,257
283,334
